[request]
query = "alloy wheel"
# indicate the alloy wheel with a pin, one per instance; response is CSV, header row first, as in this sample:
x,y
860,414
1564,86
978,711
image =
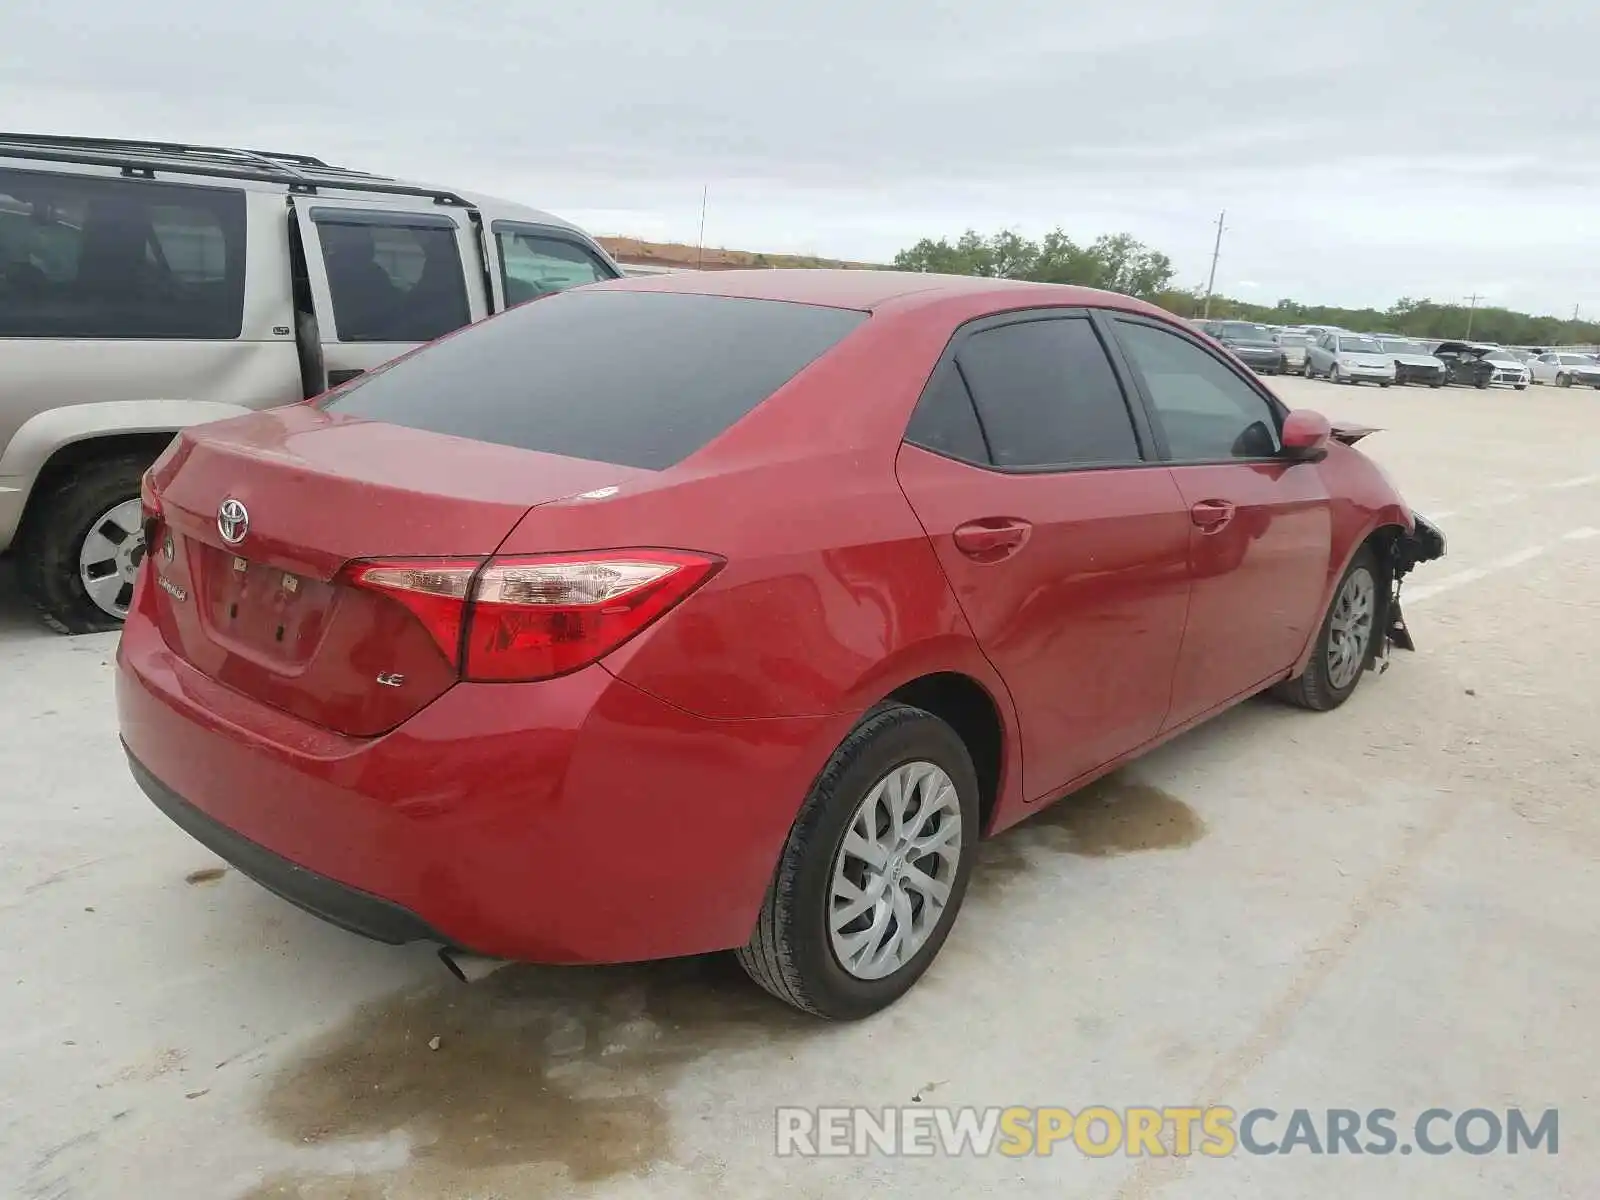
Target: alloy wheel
x,y
109,558
894,870
1350,628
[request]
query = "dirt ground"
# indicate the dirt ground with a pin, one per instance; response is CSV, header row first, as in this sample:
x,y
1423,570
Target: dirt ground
x,y
1390,906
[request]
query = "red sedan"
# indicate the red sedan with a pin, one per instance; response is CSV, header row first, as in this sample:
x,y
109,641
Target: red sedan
x,y
719,611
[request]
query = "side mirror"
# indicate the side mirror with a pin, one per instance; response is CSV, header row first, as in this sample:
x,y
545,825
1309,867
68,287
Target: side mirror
x,y
1306,435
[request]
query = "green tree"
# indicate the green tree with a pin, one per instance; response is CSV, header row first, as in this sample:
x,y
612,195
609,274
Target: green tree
x,y
1118,263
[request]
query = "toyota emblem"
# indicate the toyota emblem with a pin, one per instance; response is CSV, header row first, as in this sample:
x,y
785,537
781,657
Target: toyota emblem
x,y
233,521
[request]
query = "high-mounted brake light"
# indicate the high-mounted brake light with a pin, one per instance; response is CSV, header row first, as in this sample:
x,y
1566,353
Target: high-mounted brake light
x,y
536,616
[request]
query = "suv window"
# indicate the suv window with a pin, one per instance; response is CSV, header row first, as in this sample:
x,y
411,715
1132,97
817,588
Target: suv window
x,y
90,257
1207,412
642,379
393,277
535,263
1046,395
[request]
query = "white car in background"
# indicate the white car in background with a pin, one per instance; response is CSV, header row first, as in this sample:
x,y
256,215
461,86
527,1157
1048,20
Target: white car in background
x,y
1293,343
1349,358
1566,369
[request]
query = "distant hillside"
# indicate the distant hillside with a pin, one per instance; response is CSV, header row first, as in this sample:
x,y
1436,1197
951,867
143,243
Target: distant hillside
x,y
635,252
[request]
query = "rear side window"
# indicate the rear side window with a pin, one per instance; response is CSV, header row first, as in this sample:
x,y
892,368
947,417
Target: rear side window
x,y
1046,395
394,277
945,421
92,257
642,379
534,263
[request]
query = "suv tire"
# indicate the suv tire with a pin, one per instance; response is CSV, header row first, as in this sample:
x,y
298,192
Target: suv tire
x,y
58,522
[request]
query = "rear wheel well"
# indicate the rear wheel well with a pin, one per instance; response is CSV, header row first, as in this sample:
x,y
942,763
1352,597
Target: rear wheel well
x,y
75,454
962,703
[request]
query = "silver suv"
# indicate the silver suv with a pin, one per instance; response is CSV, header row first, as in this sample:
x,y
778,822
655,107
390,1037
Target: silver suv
x,y
146,287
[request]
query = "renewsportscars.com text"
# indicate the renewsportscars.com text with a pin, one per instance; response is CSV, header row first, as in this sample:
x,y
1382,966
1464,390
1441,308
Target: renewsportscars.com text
x,y
1216,1132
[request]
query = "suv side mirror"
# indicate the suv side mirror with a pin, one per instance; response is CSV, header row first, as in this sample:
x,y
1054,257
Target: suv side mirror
x,y
1306,435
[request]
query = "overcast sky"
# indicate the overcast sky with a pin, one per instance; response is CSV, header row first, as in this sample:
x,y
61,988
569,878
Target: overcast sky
x,y
1363,152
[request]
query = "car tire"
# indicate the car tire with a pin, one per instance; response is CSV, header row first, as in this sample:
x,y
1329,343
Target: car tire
x,y
1480,383
1438,383
1325,684
794,951
1333,374
1563,380
1382,384
56,530
1305,369
1521,387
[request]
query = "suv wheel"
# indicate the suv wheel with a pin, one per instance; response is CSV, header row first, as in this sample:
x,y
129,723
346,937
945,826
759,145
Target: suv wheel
x,y
874,870
81,545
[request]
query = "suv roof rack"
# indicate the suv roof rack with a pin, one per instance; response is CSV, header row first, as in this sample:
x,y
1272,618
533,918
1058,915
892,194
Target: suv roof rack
x,y
300,173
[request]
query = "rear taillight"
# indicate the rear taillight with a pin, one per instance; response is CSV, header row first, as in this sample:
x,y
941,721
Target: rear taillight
x,y
149,511
536,616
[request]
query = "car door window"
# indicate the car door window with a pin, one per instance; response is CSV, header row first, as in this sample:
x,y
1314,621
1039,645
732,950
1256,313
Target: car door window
x,y
1206,411
1046,395
392,277
535,263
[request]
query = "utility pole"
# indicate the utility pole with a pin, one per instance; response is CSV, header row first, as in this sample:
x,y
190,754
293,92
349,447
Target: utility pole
x,y
1472,302
700,252
1216,252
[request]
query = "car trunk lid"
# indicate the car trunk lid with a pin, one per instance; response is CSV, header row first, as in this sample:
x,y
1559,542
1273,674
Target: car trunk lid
x,y
259,517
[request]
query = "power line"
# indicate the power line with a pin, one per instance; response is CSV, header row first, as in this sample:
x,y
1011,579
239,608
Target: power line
x,y
1216,252
700,251
1472,302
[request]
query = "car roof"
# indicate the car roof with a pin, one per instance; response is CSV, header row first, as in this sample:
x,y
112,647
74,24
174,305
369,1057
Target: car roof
x,y
871,290
254,170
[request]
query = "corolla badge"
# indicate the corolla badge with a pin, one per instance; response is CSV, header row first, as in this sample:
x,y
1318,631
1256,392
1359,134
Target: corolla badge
x,y
233,521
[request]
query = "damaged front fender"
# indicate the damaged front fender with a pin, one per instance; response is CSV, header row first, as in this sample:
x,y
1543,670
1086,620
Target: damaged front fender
x,y
1424,543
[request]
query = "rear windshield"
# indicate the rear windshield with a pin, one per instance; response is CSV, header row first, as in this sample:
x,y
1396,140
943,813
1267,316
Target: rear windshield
x,y
641,379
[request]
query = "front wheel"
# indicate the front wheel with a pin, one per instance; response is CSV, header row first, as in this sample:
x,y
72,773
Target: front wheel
x,y
1522,387
1345,644
874,869
1305,369
1333,374
81,544
1563,380
1382,384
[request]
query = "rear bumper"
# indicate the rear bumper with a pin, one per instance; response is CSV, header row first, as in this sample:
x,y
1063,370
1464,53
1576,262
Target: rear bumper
x,y
347,907
575,820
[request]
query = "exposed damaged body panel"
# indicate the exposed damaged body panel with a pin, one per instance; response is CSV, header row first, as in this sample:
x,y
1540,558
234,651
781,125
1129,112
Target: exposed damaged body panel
x,y
1424,543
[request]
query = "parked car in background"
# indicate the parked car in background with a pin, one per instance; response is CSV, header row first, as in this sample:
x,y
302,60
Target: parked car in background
x,y
146,287
1474,364
1293,347
1349,358
524,728
1412,362
1564,369
1253,344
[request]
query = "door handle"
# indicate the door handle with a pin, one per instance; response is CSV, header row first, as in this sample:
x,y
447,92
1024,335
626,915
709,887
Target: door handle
x,y
1211,515
991,538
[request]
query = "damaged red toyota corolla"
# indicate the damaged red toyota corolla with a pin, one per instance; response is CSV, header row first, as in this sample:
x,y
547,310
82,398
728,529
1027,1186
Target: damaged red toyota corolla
x,y
730,611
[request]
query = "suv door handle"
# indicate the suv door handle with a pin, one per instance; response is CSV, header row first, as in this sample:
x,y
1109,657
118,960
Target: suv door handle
x,y
1211,515
990,539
